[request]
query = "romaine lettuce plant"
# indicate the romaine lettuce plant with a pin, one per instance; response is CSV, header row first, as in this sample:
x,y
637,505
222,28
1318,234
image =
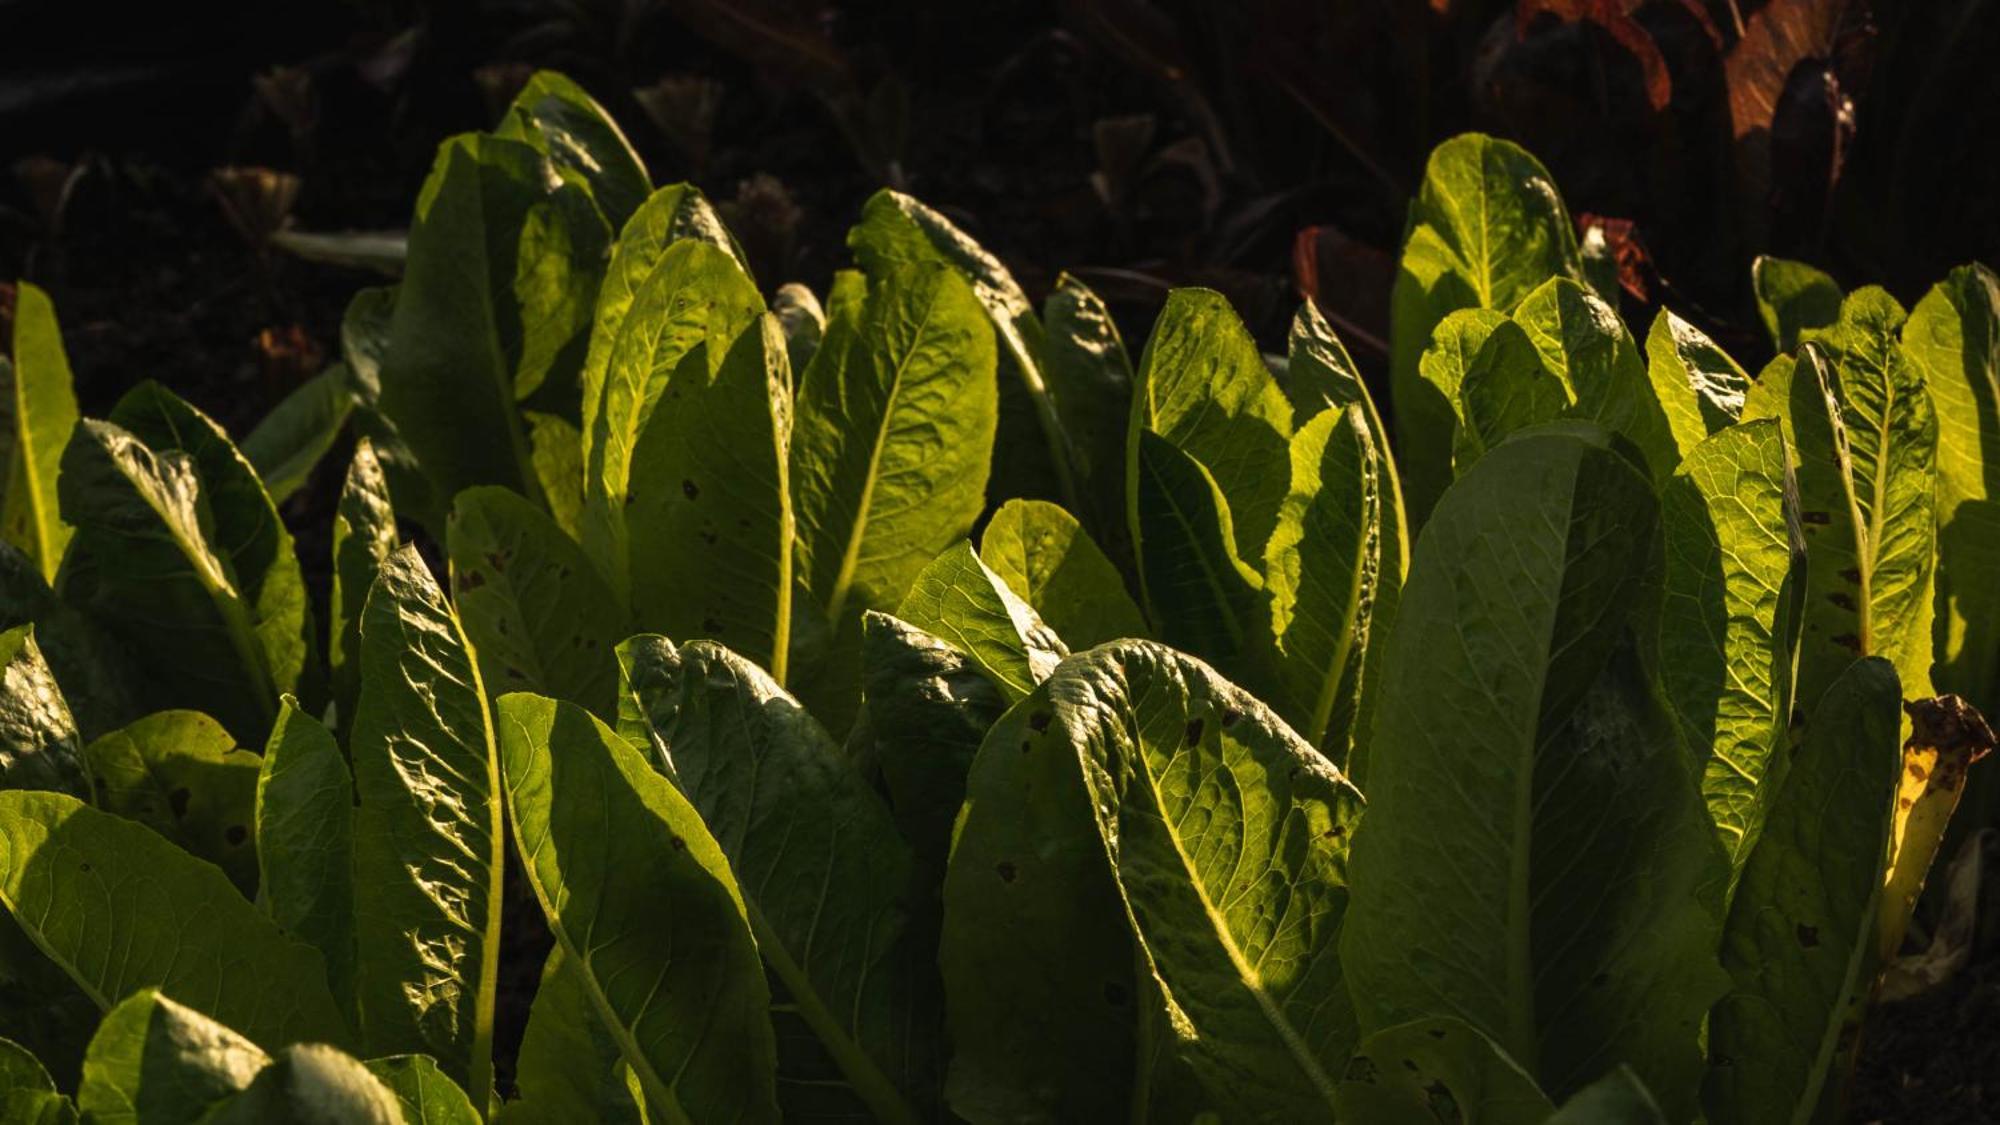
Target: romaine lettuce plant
x,y
1540,758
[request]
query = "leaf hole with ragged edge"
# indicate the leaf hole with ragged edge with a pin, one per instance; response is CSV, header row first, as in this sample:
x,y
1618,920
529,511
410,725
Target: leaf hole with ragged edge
x,y
1362,1069
1842,600
497,560
236,835
679,844
1443,1106
1039,721
1817,519
689,489
1808,936
178,801
1006,870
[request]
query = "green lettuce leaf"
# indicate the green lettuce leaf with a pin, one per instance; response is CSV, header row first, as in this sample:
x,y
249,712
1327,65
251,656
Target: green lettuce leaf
x,y
1203,386
289,441
428,839
1730,613
1803,920
1486,228
890,449
642,903
158,918
37,413
963,601
311,1082
305,842
929,707
537,613
1892,442
569,1067
1571,911
694,295
709,514
155,564
1323,565
39,745
496,300
1952,339
364,535
1585,344
556,448
1200,594
1793,299
98,679
425,1094
27,1094
1045,556
182,775
1698,384
554,115
670,214
1228,836
826,883
156,1060
1438,1068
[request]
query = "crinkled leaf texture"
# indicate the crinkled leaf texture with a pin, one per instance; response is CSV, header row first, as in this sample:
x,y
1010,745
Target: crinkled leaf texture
x,y
825,878
1149,874
428,834
643,905
961,599
1571,911
1730,613
39,746
180,555
890,451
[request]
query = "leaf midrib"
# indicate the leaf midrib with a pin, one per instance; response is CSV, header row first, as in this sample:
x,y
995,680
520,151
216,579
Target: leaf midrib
x,y
851,556
1252,981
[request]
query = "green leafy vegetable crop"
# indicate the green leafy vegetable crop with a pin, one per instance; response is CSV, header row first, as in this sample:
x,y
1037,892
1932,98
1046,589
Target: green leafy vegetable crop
x,y
901,704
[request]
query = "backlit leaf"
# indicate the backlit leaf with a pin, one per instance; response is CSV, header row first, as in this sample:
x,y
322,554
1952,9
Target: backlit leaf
x,y
37,413
180,774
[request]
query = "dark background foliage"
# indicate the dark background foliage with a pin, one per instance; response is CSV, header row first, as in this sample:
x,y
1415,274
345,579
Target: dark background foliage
x,y
1265,148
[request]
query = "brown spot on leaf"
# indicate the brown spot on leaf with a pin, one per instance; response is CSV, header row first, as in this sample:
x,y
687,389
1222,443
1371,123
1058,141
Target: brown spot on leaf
x,y
1844,601
689,490
497,560
1852,574
1850,642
